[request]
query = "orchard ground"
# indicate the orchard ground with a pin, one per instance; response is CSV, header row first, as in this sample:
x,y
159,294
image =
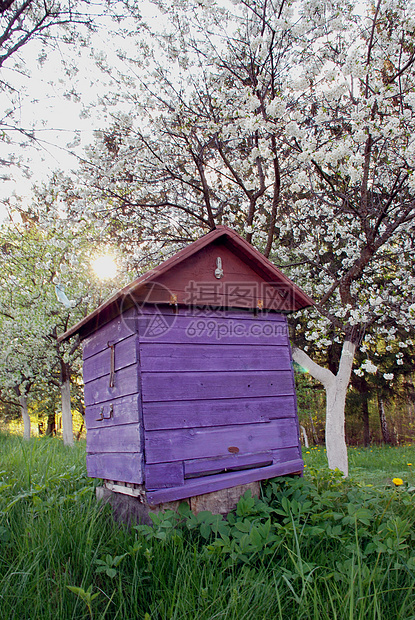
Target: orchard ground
x,y
312,547
376,466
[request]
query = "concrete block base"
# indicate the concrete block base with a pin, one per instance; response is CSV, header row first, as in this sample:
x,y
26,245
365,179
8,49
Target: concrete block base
x,y
129,503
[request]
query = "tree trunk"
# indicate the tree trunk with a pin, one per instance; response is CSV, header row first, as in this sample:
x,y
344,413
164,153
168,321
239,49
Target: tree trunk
x,y
304,432
362,387
51,427
79,433
336,390
365,418
67,429
383,423
25,416
313,428
410,399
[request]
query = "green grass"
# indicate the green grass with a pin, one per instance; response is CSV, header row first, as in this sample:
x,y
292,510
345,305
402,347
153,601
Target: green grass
x,y
376,465
319,547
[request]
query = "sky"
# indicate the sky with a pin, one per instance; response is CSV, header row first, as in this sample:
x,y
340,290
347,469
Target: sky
x,y
54,119
49,108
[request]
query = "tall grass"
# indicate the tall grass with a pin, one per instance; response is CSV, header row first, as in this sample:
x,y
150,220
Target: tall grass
x,y
317,547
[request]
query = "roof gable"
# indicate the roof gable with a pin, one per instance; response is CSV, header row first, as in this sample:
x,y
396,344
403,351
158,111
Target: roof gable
x,y
220,269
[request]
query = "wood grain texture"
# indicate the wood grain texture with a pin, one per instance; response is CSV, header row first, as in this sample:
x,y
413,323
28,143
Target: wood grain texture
x,y
222,481
164,475
126,410
116,439
199,260
274,297
207,397
123,467
215,313
156,357
225,329
224,412
116,330
286,454
184,444
208,388
126,382
125,353
215,385
194,282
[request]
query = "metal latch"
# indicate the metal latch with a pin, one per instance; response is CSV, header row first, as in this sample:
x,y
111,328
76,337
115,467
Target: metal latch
x,y
102,416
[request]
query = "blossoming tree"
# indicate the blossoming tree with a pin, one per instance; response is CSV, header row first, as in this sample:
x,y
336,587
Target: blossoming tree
x,y
294,123
353,199
42,257
200,140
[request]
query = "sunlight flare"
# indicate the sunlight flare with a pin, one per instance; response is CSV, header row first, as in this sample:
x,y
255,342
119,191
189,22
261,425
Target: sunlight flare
x,y
105,267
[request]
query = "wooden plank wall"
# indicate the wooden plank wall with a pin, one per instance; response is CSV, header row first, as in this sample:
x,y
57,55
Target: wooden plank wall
x,y
113,413
218,400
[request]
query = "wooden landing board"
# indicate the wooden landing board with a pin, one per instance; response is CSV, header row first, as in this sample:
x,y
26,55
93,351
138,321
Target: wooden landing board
x,y
223,481
201,467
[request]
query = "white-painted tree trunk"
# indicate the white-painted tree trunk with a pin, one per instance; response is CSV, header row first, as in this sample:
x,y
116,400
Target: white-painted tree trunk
x,y
336,390
25,416
304,432
67,427
383,422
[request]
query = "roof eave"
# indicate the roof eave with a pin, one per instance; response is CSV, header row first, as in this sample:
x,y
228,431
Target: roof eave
x,y
263,263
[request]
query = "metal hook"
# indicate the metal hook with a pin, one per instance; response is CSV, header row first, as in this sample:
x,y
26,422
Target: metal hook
x,y
173,302
101,414
112,368
103,417
218,270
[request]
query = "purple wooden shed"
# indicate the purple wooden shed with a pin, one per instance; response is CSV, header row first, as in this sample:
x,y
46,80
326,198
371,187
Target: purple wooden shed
x,y
189,385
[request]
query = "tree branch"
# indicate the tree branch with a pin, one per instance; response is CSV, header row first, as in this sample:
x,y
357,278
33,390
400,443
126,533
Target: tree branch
x,y
325,376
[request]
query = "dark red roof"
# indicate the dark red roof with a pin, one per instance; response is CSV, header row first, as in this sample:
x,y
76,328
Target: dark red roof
x,y
249,281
